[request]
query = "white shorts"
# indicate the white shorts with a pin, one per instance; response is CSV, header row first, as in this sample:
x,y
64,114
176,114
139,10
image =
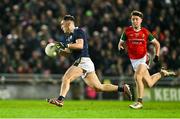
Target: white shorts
x,y
136,62
86,64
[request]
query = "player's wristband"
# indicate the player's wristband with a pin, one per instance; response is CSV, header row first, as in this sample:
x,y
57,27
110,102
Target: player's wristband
x,y
67,45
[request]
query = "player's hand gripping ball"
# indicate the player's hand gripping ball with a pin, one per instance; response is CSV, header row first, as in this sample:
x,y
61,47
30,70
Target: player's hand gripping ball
x,y
51,50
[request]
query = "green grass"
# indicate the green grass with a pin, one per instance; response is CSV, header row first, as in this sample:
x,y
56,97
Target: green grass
x,y
89,109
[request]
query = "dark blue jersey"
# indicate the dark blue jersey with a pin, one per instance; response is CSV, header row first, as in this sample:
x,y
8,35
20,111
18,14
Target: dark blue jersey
x,y
71,38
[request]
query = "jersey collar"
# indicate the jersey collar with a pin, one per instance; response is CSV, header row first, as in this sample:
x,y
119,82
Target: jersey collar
x,y
136,30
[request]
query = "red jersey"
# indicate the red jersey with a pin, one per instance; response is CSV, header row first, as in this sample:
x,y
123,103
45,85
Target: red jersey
x,y
136,41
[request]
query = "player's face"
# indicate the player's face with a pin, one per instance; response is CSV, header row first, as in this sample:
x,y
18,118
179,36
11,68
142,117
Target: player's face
x,y
67,26
136,21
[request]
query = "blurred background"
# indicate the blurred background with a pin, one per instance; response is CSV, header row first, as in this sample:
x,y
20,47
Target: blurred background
x,y
26,26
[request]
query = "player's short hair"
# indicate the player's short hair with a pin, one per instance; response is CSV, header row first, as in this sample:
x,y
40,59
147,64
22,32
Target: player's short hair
x,y
69,17
137,13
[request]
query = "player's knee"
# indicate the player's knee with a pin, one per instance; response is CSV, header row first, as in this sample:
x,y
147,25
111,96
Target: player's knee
x,y
138,77
150,85
139,72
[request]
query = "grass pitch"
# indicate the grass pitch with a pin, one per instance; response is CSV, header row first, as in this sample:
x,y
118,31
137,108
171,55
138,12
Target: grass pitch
x,y
86,109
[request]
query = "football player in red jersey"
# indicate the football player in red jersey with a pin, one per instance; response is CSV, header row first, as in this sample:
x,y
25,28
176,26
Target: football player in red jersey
x,y
135,38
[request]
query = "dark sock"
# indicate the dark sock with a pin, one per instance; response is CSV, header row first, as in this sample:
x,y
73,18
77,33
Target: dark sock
x,y
61,98
139,100
120,89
